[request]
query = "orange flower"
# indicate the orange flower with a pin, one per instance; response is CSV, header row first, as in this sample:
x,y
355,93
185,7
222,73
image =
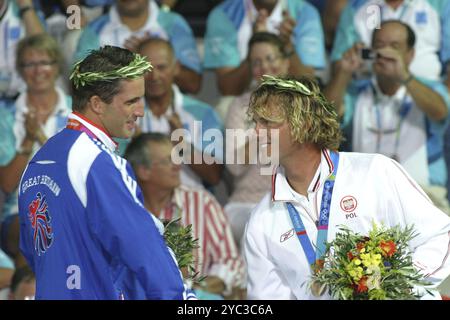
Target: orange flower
x,y
362,285
360,246
318,266
388,248
350,255
320,263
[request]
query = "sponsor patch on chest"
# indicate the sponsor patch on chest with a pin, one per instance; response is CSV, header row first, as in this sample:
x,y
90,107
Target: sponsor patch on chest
x,y
285,236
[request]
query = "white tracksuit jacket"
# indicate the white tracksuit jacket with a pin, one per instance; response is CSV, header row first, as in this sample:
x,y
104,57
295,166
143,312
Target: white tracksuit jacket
x,y
368,188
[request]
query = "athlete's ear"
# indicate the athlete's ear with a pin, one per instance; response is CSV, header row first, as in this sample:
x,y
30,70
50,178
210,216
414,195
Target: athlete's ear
x,y
97,105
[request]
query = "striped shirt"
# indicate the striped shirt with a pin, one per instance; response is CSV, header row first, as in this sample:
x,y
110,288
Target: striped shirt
x,y
218,254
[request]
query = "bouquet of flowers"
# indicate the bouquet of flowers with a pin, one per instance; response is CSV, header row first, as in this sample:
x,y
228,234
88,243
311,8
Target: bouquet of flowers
x,y
374,267
180,240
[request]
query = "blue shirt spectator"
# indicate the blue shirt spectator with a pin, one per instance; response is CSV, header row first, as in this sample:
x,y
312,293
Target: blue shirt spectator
x,y
231,24
168,110
430,20
110,29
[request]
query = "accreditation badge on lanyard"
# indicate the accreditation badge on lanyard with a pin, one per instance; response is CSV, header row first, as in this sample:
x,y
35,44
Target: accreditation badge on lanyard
x,y
315,257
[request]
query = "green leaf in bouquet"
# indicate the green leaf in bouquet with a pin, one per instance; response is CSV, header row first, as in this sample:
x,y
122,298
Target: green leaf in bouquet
x,y
179,238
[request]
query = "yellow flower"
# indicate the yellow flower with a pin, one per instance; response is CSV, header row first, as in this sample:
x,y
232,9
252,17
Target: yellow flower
x,y
370,259
355,272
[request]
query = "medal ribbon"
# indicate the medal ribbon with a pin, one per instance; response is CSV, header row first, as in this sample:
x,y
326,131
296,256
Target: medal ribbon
x,y
74,124
311,254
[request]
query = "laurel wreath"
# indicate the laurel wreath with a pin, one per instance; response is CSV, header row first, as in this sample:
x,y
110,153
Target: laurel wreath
x,y
135,69
296,86
286,84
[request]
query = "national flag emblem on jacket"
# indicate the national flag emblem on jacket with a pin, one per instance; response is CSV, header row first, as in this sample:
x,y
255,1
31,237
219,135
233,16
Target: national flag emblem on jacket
x,y
41,223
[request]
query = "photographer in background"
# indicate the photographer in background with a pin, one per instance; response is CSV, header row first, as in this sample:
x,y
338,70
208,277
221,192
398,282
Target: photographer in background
x,y
394,113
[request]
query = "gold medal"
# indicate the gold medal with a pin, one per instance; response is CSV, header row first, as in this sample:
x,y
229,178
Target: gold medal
x,y
318,289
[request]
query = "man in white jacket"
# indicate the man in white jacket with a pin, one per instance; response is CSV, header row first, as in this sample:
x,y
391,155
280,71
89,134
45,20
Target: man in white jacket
x,y
316,189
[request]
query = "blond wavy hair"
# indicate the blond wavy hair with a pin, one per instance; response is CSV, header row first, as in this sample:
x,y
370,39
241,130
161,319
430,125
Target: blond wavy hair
x,y
311,118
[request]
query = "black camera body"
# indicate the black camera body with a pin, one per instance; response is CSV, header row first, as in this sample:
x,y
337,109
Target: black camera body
x,y
367,54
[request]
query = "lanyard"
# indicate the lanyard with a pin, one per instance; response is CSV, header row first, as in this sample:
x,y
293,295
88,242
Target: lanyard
x,y
311,254
403,111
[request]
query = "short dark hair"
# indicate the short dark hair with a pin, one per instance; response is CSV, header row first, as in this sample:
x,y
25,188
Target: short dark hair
x,y
267,37
22,274
137,153
107,58
410,35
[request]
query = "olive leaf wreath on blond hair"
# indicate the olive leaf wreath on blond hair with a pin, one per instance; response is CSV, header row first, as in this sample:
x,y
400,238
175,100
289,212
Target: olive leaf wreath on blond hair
x,y
296,86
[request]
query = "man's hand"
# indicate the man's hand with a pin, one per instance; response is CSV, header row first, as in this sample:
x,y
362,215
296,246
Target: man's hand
x,y
260,23
351,60
213,284
286,29
389,62
133,42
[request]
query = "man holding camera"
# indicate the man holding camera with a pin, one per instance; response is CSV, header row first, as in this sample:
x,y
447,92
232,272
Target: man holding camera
x,y
393,112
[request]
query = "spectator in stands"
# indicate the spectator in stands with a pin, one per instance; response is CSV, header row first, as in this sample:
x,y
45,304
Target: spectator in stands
x,y
159,178
395,113
17,20
266,56
167,109
130,21
23,284
231,24
430,20
40,112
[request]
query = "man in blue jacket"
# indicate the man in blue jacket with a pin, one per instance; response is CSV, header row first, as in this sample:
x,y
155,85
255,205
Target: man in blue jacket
x,y
84,230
